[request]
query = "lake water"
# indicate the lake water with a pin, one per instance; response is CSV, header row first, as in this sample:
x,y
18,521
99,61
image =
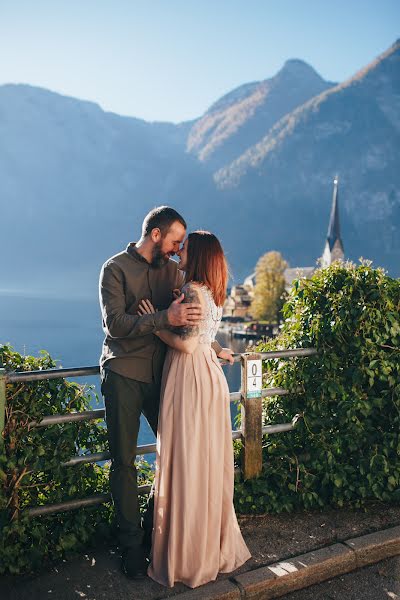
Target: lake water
x,y
70,330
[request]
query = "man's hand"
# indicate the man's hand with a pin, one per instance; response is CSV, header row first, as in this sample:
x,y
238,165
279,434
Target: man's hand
x,y
181,315
226,354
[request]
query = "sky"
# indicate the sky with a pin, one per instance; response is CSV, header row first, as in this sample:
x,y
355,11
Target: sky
x,y
169,60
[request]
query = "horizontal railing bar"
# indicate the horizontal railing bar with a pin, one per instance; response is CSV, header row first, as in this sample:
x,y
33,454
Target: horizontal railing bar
x,y
100,456
51,374
140,450
265,393
274,391
278,428
87,458
296,352
82,371
50,509
99,413
281,427
68,505
85,415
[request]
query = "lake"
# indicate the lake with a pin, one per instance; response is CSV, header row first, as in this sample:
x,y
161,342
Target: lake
x,y
70,330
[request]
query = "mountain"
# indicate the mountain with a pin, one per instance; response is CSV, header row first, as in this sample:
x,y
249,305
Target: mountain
x,y
75,182
241,118
256,168
352,129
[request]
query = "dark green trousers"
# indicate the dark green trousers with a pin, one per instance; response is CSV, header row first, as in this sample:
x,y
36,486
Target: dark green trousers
x,y
125,400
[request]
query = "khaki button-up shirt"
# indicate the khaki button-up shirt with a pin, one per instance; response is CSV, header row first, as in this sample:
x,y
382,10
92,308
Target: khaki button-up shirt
x,y
130,347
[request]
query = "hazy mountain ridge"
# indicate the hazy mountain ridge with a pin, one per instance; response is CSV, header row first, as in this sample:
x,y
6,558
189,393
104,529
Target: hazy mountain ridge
x,y
86,157
236,95
239,119
334,124
76,181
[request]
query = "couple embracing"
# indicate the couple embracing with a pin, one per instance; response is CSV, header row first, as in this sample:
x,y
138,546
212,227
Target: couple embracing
x,y
160,358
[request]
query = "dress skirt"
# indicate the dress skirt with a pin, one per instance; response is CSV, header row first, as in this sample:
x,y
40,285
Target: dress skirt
x,y
196,534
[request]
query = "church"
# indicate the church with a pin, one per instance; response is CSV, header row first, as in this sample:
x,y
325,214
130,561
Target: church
x,y
238,302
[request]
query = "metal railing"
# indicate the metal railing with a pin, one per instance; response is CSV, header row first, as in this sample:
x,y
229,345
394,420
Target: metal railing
x,y
251,406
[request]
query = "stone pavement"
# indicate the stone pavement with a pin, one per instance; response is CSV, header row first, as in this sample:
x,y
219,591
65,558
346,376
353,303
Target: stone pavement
x,y
380,581
303,548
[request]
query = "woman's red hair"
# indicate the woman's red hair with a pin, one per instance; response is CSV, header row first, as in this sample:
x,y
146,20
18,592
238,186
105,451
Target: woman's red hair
x,y
206,264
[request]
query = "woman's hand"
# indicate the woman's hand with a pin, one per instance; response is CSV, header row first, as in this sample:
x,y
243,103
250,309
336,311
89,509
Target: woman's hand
x,y
146,308
226,355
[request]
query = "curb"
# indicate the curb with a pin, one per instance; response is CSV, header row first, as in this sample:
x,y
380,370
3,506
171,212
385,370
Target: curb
x,y
298,572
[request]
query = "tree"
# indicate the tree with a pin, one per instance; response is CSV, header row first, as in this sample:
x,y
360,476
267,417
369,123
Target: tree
x,y
269,291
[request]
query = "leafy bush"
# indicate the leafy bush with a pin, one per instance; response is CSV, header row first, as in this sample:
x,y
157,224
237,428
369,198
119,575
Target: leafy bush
x,y
346,448
31,472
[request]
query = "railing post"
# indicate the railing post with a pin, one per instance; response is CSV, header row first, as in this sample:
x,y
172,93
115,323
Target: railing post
x,y
251,415
2,399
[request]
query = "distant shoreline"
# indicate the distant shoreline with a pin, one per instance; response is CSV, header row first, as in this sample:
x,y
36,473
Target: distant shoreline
x,y
40,295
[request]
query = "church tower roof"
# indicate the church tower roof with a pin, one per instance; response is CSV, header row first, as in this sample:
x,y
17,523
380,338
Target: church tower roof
x,y
334,245
334,223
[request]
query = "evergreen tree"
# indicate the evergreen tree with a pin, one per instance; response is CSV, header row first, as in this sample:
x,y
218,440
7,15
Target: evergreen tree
x,y
269,290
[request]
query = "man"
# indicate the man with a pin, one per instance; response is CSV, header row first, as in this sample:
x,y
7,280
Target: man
x,y
132,358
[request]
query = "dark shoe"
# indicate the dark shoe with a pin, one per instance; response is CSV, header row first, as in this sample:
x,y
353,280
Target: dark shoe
x,y
134,563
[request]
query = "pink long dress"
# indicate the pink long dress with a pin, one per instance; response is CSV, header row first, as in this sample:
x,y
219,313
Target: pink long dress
x,y
196,534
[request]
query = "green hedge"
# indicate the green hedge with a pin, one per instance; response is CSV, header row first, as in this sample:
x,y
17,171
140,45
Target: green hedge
x,y
346,448
31,473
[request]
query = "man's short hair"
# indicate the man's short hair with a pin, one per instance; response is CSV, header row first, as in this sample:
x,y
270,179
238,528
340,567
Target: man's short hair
x,y
161,217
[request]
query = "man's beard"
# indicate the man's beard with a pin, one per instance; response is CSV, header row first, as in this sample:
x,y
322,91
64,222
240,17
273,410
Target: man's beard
x,y
158,259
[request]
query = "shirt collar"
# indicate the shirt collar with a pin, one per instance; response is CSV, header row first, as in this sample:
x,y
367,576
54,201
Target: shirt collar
x,y
131,250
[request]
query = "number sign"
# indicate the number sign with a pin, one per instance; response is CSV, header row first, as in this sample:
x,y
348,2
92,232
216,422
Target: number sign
x,y
254,378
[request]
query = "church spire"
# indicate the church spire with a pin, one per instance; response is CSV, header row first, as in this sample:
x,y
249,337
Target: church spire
x,y
334,224
334,245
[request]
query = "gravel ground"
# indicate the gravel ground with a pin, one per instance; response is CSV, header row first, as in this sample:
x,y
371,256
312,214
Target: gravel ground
x,y
97,576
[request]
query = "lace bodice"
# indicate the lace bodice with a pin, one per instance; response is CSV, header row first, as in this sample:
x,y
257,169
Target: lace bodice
x,y
209,325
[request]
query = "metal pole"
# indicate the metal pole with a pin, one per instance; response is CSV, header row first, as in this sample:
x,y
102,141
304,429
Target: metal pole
x,y
52,374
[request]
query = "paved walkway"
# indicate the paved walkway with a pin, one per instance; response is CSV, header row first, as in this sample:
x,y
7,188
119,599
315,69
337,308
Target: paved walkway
x,y
271,539
380,581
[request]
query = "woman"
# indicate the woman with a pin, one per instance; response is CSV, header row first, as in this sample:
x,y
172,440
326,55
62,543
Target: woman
x,y
195,534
